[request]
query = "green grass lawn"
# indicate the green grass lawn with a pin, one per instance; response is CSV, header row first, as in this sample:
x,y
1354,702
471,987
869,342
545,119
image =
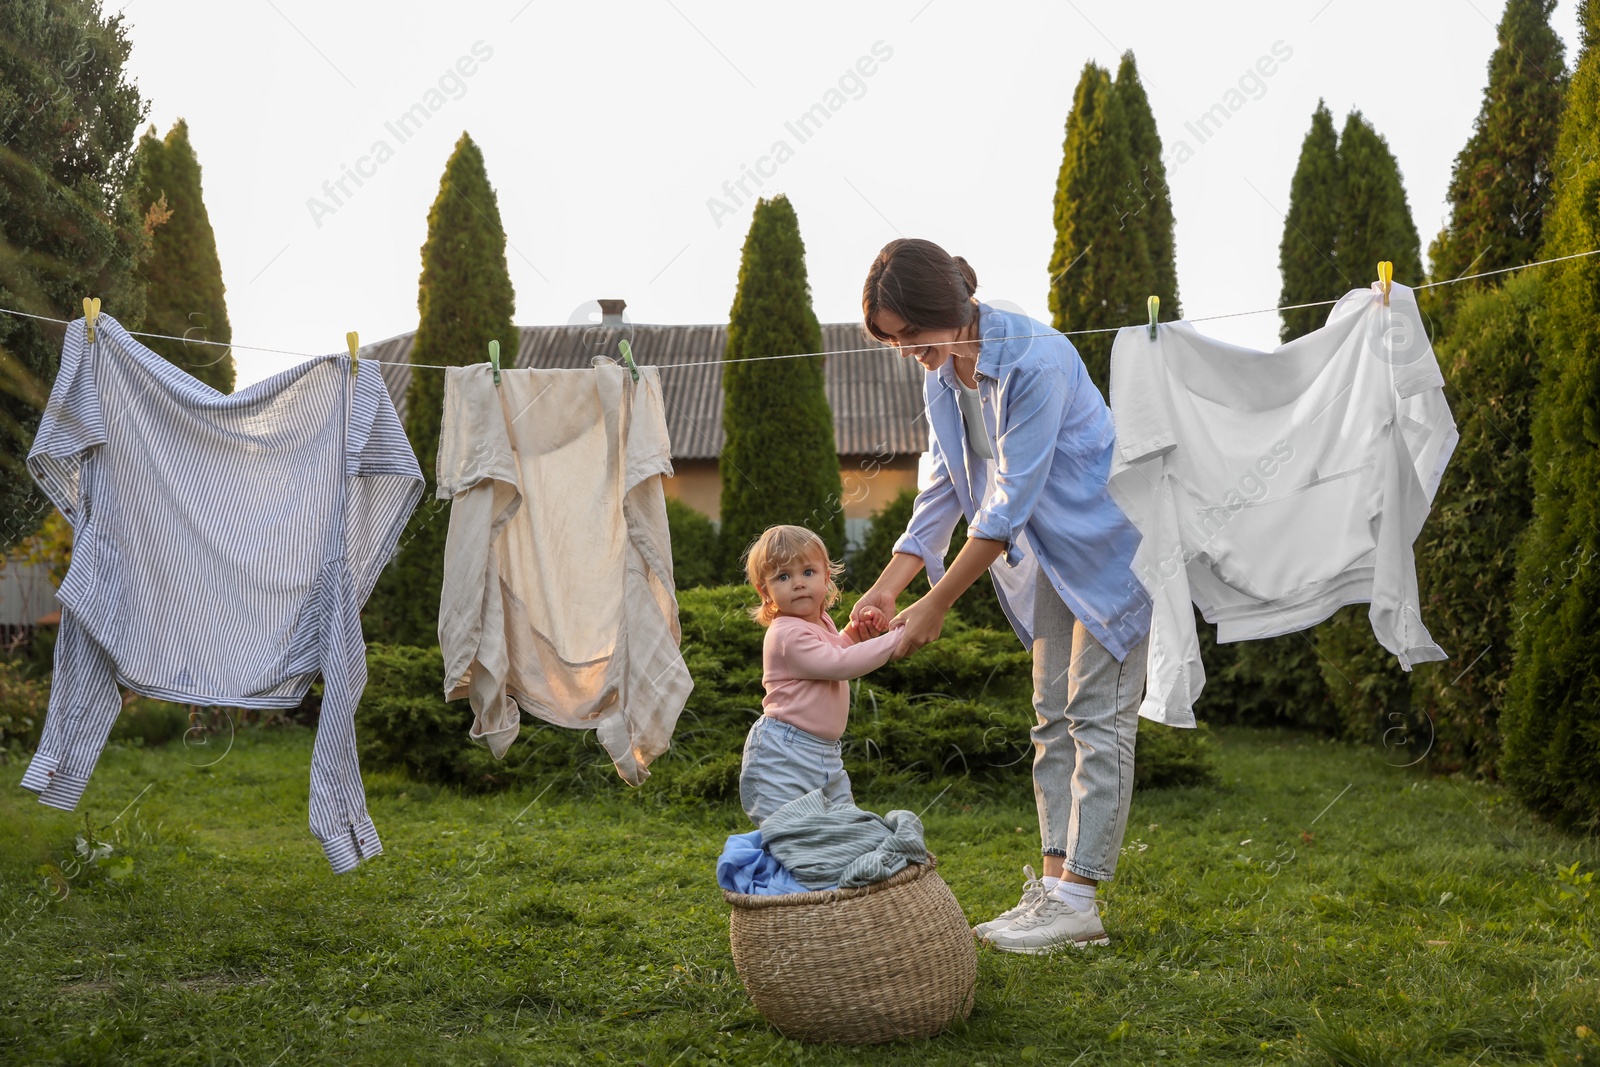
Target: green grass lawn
x,y
1316,906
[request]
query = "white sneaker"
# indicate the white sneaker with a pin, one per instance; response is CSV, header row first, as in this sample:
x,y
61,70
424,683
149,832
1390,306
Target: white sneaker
x,y
1051,924
1032,893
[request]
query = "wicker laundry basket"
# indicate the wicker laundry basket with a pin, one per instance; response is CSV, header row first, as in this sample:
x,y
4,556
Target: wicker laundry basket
x,y
885,962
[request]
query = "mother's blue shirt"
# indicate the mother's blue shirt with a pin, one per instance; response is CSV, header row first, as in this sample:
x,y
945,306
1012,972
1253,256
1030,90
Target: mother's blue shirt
x,y
1044,495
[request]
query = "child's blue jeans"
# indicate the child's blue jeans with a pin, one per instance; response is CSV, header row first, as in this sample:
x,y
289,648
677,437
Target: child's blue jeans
x,y
782,763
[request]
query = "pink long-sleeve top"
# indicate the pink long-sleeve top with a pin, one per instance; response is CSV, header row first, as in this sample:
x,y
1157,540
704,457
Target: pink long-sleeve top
x,y
805,665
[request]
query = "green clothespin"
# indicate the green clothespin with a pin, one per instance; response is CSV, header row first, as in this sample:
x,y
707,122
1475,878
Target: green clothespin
x,y
494,359
1154,303
627,357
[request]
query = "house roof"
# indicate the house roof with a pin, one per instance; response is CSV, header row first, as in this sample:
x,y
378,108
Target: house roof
x,y
876,396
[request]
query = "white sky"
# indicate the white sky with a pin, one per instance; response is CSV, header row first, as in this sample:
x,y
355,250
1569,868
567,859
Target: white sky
x,y
607,126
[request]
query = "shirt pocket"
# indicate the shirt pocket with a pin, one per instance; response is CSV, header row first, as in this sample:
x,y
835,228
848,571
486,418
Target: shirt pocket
x,y
1291,543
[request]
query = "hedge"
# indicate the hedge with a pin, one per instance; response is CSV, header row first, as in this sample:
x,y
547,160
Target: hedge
x,y
960,708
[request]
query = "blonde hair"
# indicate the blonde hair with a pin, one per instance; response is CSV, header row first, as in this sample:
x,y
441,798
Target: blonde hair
x,y
779,547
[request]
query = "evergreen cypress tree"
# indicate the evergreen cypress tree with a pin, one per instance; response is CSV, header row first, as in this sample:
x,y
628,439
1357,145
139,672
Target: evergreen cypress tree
x,y
1149,204
1307,254
1101,269
1278,680
1347,211
1500,186
1368,688
1466,556
1551,723
465,300
184,297
1490,353
1374,217
778,463
68,117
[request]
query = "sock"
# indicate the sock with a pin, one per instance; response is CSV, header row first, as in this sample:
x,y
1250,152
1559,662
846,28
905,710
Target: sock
x,y
1076,895
1049,882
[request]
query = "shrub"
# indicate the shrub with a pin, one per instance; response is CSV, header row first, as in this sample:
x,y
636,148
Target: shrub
x,y
978,605
877,545
37,656
1466,556
967,661
144,721
1369,692
1271,682
22,706
694,546
961,706
1166,757
404,723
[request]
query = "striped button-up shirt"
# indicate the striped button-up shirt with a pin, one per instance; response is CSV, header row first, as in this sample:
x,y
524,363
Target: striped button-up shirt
x,y
222,548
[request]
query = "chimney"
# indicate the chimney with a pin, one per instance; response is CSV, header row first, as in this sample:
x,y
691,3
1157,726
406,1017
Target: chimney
x,y
611,312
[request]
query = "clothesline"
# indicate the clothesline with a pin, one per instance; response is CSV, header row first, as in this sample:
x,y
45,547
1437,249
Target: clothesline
x,y
842,351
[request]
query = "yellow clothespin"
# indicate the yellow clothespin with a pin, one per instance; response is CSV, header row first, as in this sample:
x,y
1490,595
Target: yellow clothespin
x,y
1154,304
494,359
91,311
354,342
1385,279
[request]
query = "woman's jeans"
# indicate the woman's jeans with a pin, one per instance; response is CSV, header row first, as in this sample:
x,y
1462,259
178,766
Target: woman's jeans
x,y
782,763
1088,709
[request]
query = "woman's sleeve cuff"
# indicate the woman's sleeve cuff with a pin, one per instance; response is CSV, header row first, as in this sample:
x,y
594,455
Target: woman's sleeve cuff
x,y
912,545
991,528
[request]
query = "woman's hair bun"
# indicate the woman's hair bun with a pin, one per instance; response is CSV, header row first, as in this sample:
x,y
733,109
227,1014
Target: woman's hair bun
x,y
968,275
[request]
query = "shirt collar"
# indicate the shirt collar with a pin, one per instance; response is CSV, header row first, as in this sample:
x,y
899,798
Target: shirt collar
x,y
992,335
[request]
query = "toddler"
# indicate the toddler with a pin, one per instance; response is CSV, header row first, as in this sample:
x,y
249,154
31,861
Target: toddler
x,y
793,748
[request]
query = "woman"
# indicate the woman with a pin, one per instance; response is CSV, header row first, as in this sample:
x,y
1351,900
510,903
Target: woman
x,y
1021,447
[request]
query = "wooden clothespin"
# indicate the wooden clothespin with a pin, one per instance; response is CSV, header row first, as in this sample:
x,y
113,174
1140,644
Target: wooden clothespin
x,y
354,342
494,359
1154,304
627,357
1385,279
91,312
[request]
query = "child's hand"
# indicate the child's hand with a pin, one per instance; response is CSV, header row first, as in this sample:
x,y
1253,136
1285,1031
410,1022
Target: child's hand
x,y
872,622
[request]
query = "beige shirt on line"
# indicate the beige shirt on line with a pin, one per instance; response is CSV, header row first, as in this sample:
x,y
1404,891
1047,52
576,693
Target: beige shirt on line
x,y
558,594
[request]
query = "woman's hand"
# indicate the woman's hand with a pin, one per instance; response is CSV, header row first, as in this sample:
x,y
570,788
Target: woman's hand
x,y
922,622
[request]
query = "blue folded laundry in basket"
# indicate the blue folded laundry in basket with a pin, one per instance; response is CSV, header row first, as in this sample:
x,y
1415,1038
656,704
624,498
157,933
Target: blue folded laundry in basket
x,y
747,867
